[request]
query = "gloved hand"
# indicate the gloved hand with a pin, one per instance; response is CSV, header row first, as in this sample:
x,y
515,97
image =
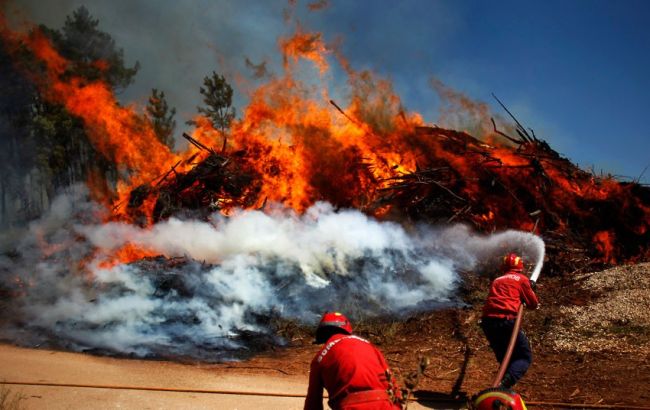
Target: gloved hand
x,y
533,284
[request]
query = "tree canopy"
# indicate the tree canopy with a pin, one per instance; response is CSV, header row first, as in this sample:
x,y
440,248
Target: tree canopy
x,y
45,148
217,97
161,117
93,53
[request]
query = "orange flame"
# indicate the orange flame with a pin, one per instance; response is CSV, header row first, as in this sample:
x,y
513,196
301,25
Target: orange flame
x,y
305,148
604,241
126,254
117,132
309,46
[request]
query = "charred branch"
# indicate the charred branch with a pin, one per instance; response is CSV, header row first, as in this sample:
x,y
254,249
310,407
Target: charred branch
x,y
164,177
344,113
197,143
504,135
520,128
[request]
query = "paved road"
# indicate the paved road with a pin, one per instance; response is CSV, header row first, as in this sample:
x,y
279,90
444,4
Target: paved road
x,y
44,366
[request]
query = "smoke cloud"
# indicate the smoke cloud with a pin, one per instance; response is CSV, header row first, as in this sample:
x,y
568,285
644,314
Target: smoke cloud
x,y
220,281
178,43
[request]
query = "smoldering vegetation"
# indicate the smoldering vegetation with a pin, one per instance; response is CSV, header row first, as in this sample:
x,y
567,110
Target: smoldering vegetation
x,y
218,285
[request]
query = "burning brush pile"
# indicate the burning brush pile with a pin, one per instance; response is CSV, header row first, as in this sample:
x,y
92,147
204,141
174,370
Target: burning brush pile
x,y
302,205
585,220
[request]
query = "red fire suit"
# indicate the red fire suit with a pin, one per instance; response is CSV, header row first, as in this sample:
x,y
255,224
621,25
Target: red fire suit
x,y
506,294
354,373
500,309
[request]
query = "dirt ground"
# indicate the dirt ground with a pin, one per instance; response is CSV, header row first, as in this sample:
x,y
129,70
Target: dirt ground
x,y
590,340
47,379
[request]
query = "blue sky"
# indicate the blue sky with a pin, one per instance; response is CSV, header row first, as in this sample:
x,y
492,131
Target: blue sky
x,y
574,71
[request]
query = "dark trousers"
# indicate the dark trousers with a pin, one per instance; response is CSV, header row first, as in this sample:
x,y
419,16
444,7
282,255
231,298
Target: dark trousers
x,y
498,332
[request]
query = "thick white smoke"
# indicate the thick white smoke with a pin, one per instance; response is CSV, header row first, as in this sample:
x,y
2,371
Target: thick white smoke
x,y
220,280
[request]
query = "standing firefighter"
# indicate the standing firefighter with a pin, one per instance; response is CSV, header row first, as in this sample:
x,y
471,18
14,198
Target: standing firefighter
x,y
353,371
507,292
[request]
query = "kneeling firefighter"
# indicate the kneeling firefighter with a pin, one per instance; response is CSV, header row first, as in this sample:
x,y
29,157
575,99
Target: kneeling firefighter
x,y
351,369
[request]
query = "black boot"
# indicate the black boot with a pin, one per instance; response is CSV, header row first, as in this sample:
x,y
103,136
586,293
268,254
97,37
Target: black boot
x,y
507,382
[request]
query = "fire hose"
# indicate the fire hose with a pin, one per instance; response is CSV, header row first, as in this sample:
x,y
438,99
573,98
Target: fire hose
x,y
511,345
424,399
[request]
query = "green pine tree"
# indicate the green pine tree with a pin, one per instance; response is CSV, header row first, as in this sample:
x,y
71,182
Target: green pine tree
x,y
93,52
161,117
217,96
48,148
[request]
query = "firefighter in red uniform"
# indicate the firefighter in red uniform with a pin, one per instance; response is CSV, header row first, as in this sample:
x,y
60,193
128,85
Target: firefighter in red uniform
x,y
507,292
353,371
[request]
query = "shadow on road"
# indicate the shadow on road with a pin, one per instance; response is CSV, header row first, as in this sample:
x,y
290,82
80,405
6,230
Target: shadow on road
x,y
437,400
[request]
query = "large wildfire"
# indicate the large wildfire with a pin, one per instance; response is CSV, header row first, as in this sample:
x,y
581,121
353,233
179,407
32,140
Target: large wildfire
x,y
267,217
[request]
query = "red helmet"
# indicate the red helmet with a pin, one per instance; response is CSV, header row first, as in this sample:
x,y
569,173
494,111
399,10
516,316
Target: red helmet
x,y
497,398
332,323
512,261
336,319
